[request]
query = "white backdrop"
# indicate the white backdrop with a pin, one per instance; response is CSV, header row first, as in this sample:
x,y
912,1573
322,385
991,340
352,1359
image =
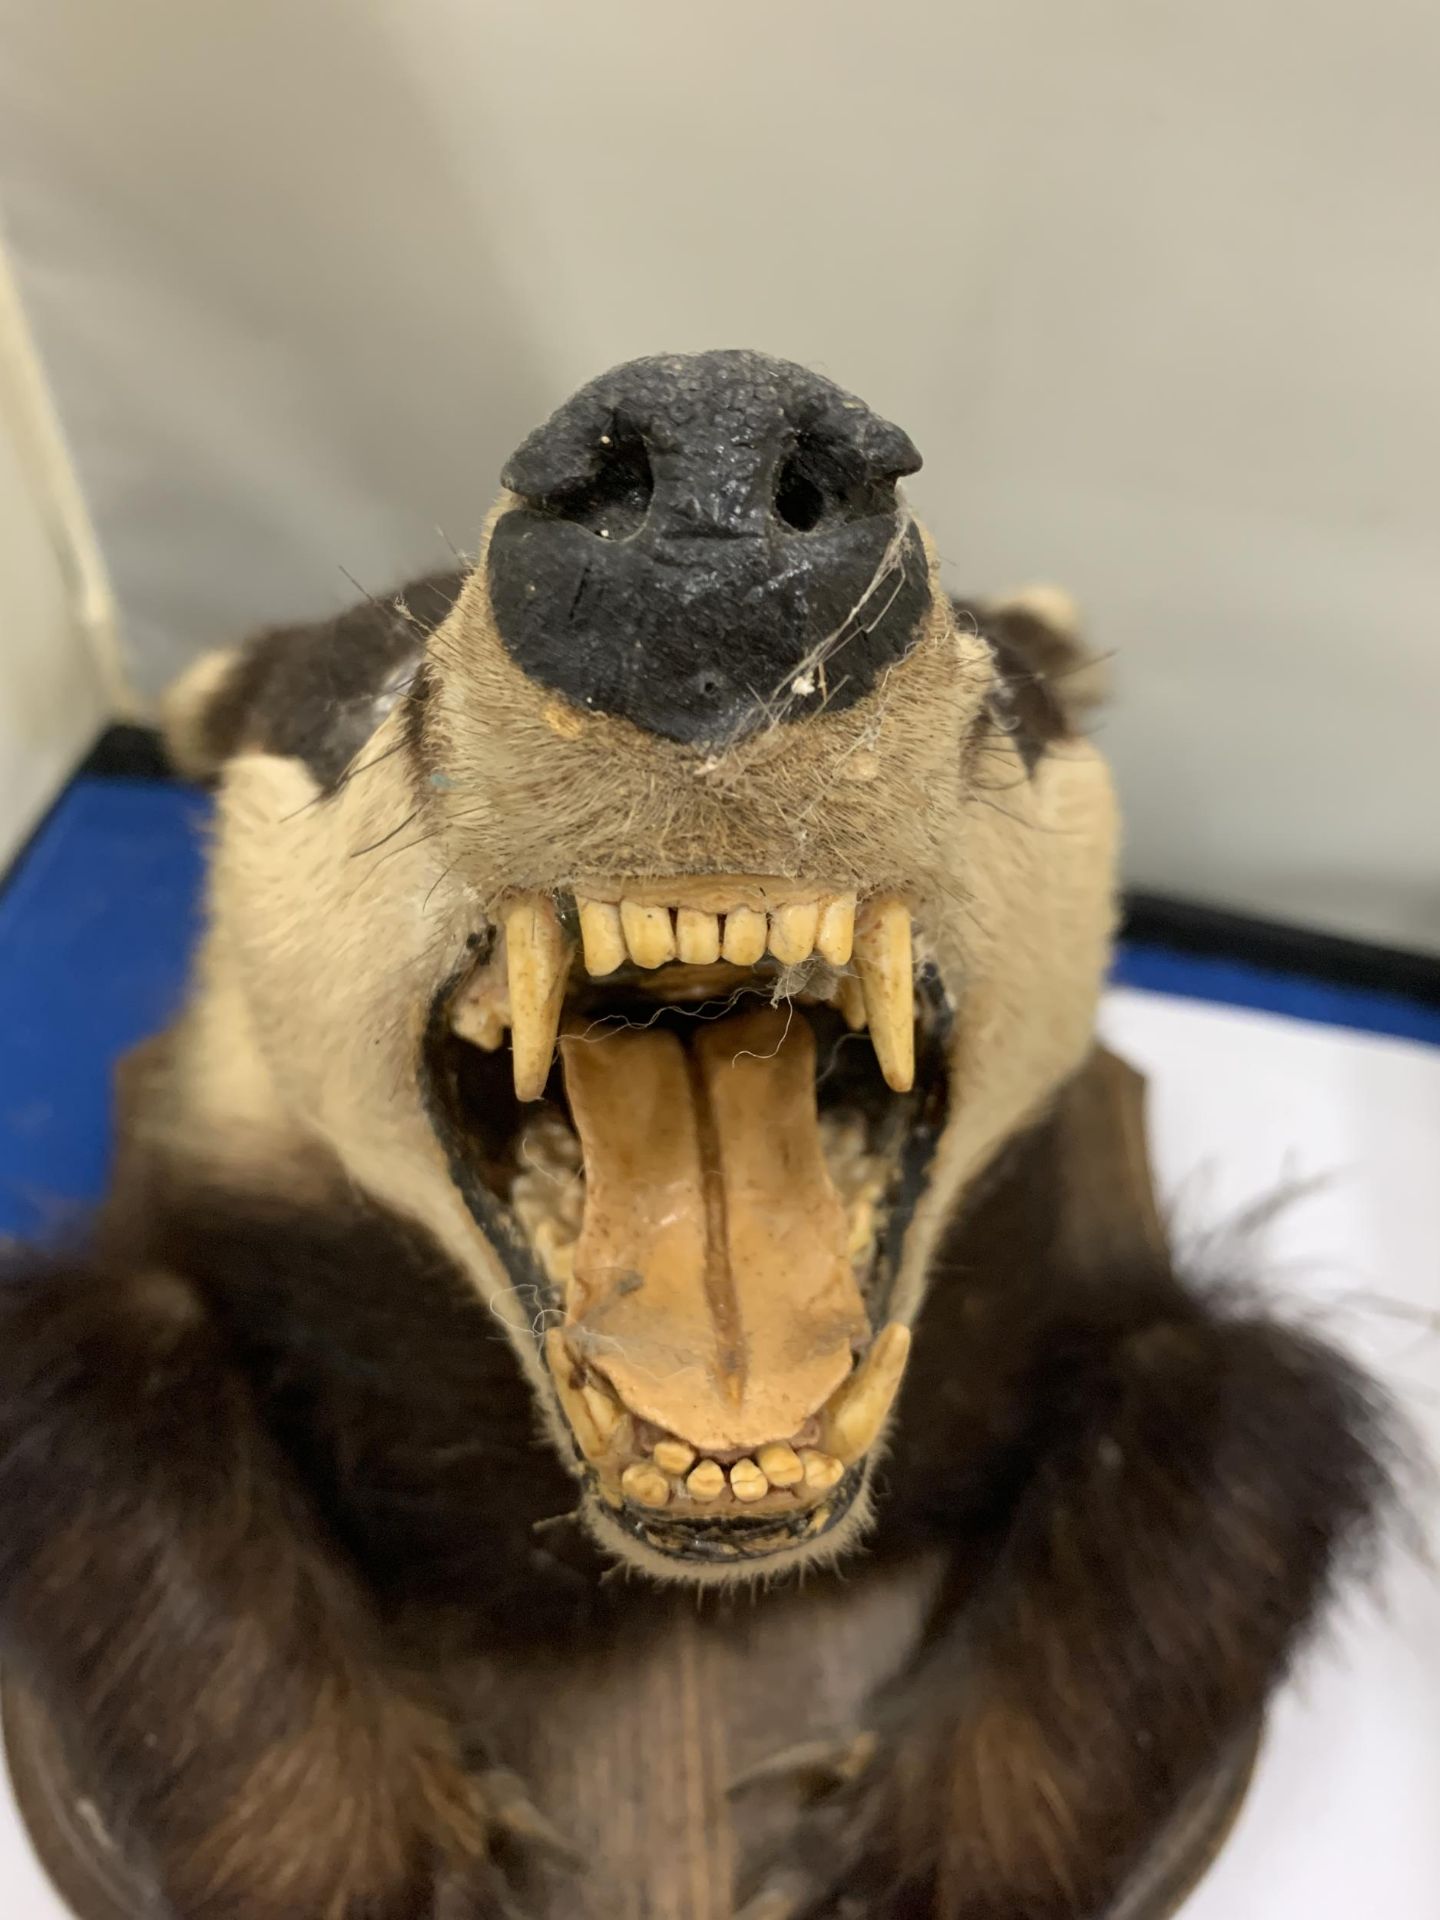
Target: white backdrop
x,y
1156,287
57,665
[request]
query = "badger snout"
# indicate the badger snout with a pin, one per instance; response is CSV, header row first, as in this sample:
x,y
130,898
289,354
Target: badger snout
x,y
708,544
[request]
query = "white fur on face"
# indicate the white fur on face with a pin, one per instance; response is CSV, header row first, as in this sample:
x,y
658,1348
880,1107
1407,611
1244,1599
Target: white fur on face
x,y
335,920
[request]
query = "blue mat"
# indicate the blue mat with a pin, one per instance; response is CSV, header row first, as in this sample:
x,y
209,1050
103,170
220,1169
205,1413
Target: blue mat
x,y
98,921
97,924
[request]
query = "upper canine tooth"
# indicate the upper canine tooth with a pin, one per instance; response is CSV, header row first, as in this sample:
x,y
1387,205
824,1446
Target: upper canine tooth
x,y
792,932
537,960
884,960
744,936
648,933
697,937
854,1417
601,935
835,938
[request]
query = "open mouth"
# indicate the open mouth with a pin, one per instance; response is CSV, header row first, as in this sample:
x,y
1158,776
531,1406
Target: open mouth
x,y
694,1117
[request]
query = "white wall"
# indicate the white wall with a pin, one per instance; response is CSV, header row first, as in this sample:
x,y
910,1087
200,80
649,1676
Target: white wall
x,y
55,692
1155,286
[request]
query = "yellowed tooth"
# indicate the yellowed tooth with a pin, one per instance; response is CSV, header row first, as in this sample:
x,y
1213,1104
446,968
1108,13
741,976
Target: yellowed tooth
x,y
646,1484
835,937
593,1439
648,933
792,932
852,1002
480,1022
822,1470
744,941
673,1456
603,1411
555,1245
747,1482
852,1421
549,1145
884,960
861,1225
780,1465
601,935
537,959
707,1482
697,937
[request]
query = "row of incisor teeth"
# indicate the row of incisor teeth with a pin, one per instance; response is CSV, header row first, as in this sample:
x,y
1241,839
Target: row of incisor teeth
x,y
650,936
876,940
652,1482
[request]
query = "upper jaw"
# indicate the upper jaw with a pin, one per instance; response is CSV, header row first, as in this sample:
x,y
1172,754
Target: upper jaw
x,y
715,1254
867,948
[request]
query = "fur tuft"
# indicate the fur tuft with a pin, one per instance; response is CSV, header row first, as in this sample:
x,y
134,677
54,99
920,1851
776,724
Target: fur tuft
x,y
1188,1481
165,1592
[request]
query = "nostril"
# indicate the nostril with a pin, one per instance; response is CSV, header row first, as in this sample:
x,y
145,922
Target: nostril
x,y
708,685
613,498
798,500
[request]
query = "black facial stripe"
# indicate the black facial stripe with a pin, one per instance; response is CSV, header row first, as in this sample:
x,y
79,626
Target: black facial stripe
x,y
317,693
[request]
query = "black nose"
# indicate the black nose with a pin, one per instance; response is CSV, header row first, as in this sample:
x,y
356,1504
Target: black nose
x,y
708,542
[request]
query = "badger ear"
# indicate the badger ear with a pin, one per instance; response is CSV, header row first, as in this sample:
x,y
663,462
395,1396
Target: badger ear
x,y
1049,679
1036,632
191,714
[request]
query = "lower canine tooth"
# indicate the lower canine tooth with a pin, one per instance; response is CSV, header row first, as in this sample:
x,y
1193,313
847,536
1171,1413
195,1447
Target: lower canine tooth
x,y
747,1482
835,937
648,933
707,1482
593,1438
601,936
744,941
853,1419
780,1466
697,937
537,959
673,1456
822,1470
884,960
792,933
603,1411
646,1484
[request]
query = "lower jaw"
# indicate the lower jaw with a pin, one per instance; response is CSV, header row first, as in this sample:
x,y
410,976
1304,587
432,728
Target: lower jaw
x,y
730,1541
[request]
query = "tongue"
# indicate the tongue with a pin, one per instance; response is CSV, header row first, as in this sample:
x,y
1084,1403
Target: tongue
x,y
712,1286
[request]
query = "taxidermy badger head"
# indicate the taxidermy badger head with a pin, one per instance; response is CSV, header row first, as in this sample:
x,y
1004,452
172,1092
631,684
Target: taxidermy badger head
x,y
675,914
